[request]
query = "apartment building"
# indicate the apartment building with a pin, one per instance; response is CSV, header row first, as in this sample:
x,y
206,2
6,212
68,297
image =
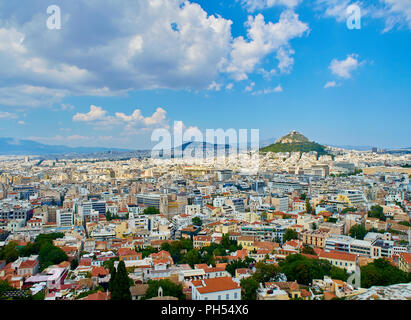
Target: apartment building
x,y
317,239
222,288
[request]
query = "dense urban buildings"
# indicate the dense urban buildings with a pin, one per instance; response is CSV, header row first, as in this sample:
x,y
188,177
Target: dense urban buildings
x,y
204,231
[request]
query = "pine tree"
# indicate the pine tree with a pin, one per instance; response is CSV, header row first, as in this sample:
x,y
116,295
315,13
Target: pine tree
x,y
121,284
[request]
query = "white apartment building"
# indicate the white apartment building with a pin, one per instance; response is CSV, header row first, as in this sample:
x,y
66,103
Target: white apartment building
x,y
223,288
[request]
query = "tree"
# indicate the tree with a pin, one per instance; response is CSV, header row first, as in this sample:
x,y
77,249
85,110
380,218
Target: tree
x,y
151,210
266,272
50,255
358,231
249,288
197,221
308,207
377,212
192,257
290,234
299,268
308,250
73,264
169,289
109,217
121,284
9,252
237,264
382,273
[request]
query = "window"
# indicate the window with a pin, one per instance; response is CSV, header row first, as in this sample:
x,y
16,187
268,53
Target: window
x,y
227,296
235,295
219,297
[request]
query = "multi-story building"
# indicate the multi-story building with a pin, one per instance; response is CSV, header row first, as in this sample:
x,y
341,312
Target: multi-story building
x,y
316,238
222,288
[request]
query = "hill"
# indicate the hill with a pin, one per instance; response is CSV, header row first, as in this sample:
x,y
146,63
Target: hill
x,y
295,142
10,146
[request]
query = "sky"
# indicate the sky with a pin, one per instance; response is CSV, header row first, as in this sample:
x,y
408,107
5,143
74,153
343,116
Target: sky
x,y
115,71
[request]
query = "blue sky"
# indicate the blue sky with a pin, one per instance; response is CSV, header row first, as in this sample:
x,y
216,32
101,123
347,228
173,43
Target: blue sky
x,y
116,71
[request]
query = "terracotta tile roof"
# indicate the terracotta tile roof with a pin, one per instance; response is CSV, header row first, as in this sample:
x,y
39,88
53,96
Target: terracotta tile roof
x,y
338,256
98,296
28,264
406,257
99,271
215,285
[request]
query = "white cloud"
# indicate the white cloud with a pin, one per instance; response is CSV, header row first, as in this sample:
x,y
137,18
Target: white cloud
x,y
344,68
286,61
215,86
67,107
134,123
330,84
110,47
393,12
253,5
264,39
230,86
8,115
250,87
278,88
95,114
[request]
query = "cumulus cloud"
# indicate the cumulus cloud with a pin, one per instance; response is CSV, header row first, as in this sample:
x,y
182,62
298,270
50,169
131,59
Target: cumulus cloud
x,y
264,39
134,123
253,5
330,84
8,115
392,12
95,114
278,88
395,12
344,68
110,47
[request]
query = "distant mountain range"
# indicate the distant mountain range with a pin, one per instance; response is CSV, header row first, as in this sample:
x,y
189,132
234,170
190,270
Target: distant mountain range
x,y
292,142
16,147
295,142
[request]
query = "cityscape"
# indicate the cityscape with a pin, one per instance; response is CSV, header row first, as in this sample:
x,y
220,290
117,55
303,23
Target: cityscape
x,y
269,169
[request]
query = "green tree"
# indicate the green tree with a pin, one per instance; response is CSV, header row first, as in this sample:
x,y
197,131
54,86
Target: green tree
x,y
266,272
290,234
151,210
197,221
73,264
299,268
382,273
377,212
192,257
9,252
121,284
249,288
51,255
109,216
169,289
358,231
308,250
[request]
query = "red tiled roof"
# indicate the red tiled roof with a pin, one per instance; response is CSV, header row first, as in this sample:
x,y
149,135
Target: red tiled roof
x,y
215,285
337,255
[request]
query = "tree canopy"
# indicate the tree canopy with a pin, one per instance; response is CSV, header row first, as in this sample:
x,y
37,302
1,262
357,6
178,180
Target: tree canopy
x,y
151,210
120,285
290,234
358,231
169,289
382,273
